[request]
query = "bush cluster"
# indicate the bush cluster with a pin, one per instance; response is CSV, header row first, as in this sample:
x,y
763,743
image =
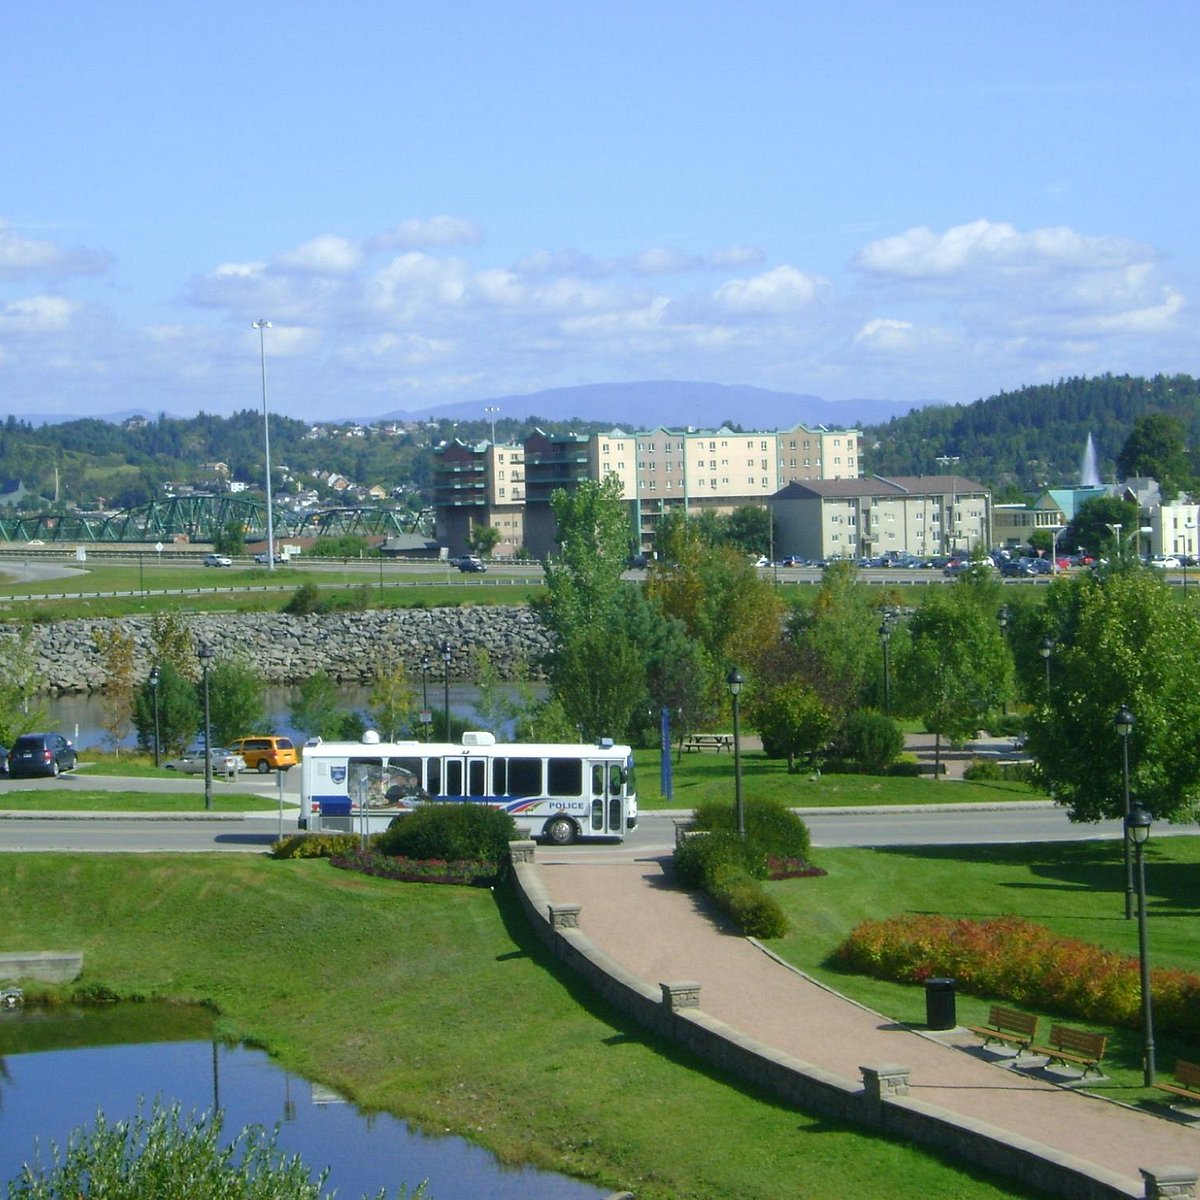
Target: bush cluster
x,y
451,832
1017,960
729,868
316,845
872,741
409,870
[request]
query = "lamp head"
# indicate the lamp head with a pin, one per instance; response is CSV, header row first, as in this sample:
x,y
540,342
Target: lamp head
x,y
1002,616
1138,822
1124,721
155,676
735,681
885,633
205,654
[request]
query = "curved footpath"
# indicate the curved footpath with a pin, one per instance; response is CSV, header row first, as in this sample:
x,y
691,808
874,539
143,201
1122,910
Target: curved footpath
x,y
632,914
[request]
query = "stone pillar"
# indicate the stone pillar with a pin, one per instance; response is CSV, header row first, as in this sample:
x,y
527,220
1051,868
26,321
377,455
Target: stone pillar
x,y
521,851
1179,1183
683,994
564,916
884,1081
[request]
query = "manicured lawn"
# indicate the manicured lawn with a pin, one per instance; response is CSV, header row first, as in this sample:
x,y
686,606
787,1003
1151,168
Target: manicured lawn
x,y
55,798
436,1003
1075,889
701,777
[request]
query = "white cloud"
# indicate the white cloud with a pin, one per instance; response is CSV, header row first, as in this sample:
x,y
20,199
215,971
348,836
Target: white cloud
x,y
735,257
37,315
664,260
324,255
983,249
781,290
21,257
427,233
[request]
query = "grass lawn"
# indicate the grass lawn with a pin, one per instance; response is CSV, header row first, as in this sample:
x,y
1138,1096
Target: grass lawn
x,y
437,1004
701,777
60,799
1076,889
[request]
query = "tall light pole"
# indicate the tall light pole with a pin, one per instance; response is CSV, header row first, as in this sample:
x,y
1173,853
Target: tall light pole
x,y
262,325
446,656
1137,830
205,655
885,637
1045,649
154,680
491,410
1124,723
734,680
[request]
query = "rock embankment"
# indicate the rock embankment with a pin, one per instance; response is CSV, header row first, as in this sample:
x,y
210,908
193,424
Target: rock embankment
x,y
287,649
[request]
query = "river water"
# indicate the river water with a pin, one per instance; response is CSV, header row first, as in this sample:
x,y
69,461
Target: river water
x,y
45,1093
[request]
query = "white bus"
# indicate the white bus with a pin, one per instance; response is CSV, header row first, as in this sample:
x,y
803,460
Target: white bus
x,y
555,792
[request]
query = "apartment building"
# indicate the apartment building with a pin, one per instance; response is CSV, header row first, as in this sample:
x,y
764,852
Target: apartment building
x,y
483,483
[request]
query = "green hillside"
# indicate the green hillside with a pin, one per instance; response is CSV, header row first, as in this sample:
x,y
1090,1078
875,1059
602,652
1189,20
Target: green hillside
x,y
1025,440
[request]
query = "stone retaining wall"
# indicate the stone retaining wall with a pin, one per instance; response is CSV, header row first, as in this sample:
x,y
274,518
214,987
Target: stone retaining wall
x,y
287,649
880,1101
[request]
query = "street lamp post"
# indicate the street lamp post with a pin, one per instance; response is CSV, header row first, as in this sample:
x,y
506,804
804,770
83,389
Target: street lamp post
x,y
491,410
1124,723
205,655
446,655
1045,649
262,325
885,637
735,681
154,680
1137,830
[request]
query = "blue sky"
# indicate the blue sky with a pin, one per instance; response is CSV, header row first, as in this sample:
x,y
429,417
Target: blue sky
x,y
445,202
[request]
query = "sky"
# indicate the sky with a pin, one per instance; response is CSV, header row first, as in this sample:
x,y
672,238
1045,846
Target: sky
x,y
449,202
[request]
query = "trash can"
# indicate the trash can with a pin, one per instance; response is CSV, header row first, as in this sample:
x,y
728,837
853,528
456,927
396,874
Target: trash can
x,y
939,1004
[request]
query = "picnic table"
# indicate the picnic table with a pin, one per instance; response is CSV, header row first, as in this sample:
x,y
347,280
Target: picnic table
x,y
708,741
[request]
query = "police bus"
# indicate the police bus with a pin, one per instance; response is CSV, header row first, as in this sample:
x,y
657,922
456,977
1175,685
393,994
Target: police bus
x,y
559,793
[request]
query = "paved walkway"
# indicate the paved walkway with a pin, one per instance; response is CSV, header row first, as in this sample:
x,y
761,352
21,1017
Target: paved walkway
x,y
660,934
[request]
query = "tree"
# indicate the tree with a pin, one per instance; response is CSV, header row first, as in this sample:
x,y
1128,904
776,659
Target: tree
x,y
116,647
392,700
1121,640
20,711
1095,526
597,676
231,540
792,721
174,644
236,700
956,670
316,710
179,711
1156,448
484,539
749,529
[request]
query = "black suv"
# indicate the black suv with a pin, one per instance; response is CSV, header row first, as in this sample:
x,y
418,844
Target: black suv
x,y
40,754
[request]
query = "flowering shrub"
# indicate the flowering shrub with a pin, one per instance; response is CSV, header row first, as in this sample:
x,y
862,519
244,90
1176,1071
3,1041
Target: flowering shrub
x,y
412,870
315,845
779,867
1026,963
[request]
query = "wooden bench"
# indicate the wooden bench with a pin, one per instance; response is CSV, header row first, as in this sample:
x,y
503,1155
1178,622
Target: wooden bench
x,y
1007,1025
1186,1082
1074,1046
708,741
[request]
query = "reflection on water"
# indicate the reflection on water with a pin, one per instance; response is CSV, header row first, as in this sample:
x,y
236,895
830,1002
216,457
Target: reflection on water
x,y
46,1093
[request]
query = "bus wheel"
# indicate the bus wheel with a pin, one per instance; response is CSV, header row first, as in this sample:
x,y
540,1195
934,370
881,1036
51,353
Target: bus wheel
x,y
560,831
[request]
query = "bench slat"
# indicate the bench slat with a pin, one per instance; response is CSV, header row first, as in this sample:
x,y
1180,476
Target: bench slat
x,y
1007,1025
1187,1081
1067,1045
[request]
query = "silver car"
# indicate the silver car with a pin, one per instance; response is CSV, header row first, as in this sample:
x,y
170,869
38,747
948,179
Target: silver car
x,y
224,762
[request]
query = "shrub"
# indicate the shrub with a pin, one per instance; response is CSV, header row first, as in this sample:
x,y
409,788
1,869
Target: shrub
x,y
700,857
872,740
771,826
450,832
411,870
987,769
305,601
317,845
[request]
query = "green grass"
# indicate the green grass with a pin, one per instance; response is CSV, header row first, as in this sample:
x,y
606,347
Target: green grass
x,y
701,777
1076,889
59,799
437,1004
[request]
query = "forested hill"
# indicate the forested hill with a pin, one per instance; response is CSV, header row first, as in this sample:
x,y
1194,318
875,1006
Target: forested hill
x,y
1031,438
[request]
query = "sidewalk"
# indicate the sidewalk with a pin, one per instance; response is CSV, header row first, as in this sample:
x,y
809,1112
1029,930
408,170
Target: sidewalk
x,y
631,912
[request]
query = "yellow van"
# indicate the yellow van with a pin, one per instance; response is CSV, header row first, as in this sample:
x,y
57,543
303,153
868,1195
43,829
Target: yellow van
x,y
265,752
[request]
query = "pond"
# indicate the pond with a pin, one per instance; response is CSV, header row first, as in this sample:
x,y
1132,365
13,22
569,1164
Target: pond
x,y
59,1067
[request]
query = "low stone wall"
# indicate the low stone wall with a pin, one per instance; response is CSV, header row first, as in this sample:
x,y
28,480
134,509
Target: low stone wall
x,y
287,649
881,1101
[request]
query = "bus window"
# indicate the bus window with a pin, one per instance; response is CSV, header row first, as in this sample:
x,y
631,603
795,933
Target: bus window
x,y
597,779
616,778
597,815
565,777
454,777
402,782
524,777
433,778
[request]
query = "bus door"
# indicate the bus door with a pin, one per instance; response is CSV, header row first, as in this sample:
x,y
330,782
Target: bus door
x,y
465,778
607,790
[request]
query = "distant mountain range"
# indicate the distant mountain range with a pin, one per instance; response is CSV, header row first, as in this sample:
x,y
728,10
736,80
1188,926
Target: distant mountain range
x,y
673,403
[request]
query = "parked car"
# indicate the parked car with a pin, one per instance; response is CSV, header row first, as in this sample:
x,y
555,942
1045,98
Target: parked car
x,y
218,560
224,762
471,562
40,754
265,752
1165,562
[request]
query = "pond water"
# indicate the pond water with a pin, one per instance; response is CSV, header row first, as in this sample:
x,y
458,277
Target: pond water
x,y
60,1067
80,717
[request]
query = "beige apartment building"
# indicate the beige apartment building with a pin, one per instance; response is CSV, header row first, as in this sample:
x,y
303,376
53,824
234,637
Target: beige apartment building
x,y
693,470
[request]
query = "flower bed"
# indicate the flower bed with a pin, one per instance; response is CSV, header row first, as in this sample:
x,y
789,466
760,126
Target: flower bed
x,y
791,868
412,870
1016,960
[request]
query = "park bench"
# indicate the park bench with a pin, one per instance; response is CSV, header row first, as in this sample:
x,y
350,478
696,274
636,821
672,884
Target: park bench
x,y
1007,1025
1074,1046
1186,1082
708,741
